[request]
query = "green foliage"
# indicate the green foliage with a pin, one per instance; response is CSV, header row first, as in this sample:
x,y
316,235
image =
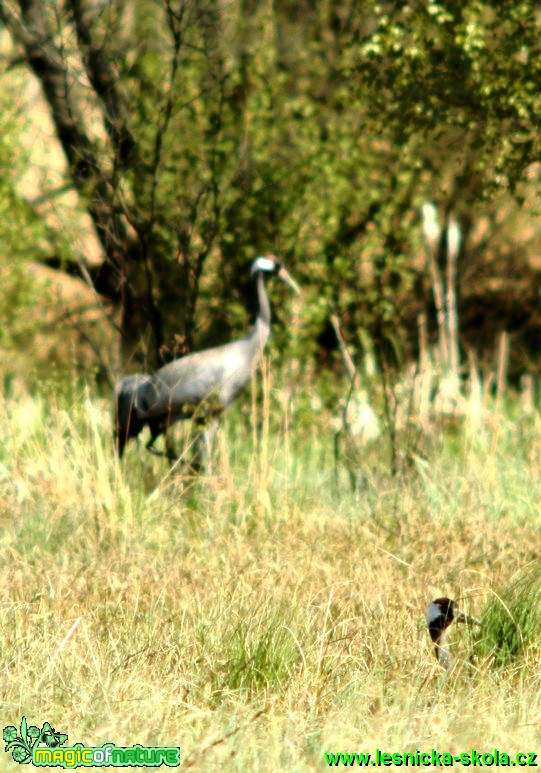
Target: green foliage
x,y
463,75
511,624
314,131
320,139
262,653
24,237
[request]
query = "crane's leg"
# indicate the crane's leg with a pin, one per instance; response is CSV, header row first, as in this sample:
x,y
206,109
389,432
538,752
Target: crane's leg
x,y
202,459
158,428
169,453
150,446
203,442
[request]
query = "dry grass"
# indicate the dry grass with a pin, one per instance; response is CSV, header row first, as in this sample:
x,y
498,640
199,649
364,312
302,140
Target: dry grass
x,y
256,617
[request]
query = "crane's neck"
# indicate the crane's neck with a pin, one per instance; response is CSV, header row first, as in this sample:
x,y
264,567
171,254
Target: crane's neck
x,y
264,313
261,331
443,652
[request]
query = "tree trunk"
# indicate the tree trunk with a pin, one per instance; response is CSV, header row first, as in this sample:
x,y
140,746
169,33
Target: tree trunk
x,y
125,277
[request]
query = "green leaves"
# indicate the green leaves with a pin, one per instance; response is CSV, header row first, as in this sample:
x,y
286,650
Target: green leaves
x,y
471,65
315,132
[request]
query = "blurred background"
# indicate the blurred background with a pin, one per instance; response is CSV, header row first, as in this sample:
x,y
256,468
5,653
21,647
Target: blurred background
x,y
150,150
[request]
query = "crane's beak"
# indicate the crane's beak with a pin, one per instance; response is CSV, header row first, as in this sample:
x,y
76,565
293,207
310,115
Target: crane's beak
x,y
288,279
462,618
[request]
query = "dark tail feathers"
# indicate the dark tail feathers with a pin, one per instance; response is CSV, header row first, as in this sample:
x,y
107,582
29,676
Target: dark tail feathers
x,y
127,422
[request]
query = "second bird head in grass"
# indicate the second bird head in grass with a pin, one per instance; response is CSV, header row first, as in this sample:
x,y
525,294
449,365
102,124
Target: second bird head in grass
x,y
269,264
440,614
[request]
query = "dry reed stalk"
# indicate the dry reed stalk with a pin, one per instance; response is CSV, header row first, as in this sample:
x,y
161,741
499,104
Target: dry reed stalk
x,y
346,356
453,247
503,361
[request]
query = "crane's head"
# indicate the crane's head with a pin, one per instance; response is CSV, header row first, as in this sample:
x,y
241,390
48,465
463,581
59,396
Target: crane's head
x,y
269,264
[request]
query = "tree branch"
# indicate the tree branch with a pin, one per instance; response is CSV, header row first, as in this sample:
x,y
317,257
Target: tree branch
x,y
105,83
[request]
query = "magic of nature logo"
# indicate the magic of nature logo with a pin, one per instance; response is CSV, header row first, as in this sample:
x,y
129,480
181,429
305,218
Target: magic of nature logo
x,y
46,748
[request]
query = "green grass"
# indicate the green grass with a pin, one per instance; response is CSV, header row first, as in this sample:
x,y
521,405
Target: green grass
x,y
264,614
512,620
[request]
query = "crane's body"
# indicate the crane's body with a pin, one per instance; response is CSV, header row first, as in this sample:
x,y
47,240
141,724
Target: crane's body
x,y
219,372
199,385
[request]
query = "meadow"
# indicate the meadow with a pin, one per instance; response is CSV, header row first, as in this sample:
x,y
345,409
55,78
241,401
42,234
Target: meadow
x,y
264,612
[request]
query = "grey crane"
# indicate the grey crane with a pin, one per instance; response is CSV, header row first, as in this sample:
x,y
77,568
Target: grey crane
x,y
199,385
439,616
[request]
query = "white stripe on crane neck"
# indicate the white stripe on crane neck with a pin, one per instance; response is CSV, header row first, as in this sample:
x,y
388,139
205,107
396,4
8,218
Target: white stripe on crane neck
x,y
433,612
263,264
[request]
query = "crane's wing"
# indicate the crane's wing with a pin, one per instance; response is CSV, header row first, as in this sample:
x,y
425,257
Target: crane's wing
x,y
218,373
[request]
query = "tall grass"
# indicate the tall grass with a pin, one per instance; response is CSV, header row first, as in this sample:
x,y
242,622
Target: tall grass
x,y
511,629
262,614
